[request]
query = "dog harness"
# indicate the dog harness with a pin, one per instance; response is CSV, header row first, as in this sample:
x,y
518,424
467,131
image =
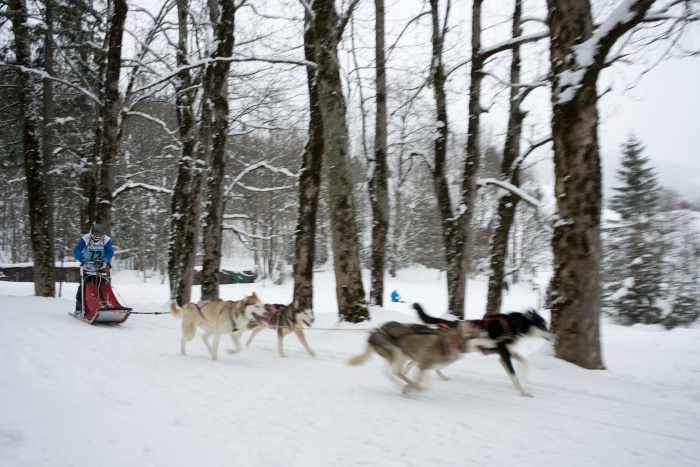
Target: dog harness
x,y
482,323
275,309
233,321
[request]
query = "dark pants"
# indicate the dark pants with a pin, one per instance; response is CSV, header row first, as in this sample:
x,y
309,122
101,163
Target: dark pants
x,y
100,279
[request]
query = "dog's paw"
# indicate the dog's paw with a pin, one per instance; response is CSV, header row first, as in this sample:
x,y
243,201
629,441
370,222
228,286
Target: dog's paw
x,y
526,394
442,376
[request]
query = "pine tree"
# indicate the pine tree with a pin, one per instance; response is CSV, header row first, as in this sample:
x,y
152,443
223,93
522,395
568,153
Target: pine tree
x,y
638,196
684,272
634,245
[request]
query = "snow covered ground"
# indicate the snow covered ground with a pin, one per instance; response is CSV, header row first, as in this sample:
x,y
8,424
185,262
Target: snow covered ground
x,y
78,395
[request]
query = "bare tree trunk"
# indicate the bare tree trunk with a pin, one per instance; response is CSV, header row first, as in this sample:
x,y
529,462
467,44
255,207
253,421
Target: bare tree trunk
x,y
110,140
309,182
451,233
216,91
576,242
185,212
191,241
471,165
47,118
352,304
90,173
507,203
44,285
378,191
399,224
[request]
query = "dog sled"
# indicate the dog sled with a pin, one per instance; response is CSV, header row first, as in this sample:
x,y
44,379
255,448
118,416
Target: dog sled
x,y
99,303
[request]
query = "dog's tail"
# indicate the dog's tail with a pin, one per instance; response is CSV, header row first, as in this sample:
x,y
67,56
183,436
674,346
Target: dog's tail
x,y
427,319
362,358
174,309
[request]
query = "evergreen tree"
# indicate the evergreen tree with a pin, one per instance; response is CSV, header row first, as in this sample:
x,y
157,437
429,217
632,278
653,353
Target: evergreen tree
x,y
685,303
683,271
634,244
638,196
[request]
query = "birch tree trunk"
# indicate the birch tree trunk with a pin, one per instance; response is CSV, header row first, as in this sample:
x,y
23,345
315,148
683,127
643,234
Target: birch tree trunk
x,y
576,244
309,181
216,97
378,191
352,304
112,104
44,285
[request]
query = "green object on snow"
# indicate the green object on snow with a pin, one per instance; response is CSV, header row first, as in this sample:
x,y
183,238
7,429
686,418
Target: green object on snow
x,y
240,277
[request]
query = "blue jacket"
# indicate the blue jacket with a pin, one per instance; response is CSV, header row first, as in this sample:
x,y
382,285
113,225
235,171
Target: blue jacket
x,y
88,249
395,297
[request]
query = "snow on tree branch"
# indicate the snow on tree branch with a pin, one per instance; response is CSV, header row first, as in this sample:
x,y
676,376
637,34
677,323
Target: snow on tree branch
x,y
45,75
243,233
533,145
512,188
308,8
590,55
262,190
252,168
132,185
512,43
204,62
158,122
345,18
547,221
271,16
424,157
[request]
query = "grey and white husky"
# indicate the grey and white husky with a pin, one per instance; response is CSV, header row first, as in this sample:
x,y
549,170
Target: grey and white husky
x,y
428,348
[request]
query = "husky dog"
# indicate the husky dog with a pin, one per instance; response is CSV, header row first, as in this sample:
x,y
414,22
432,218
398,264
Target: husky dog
x,y
430,349
285,319
500,332
217,318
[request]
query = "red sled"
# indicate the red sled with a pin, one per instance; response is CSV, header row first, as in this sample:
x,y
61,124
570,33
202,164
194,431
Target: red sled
x,y
100,304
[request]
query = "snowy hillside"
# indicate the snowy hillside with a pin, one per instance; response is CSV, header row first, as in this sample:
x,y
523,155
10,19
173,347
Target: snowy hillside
x,y
113,396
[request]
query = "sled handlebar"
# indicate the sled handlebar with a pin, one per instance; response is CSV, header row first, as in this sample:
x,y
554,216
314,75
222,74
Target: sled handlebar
x,y
96,262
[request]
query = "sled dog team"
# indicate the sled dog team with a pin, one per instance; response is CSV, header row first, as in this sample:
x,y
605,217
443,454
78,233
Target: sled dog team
x,y
401,345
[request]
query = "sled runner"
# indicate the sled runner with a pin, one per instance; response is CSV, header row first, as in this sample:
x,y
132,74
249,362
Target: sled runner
x,y
99,302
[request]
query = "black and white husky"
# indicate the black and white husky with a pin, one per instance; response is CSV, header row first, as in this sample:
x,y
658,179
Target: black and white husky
x,y
500,332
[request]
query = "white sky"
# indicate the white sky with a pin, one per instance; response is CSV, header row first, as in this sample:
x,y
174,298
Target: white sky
x,y
662,110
